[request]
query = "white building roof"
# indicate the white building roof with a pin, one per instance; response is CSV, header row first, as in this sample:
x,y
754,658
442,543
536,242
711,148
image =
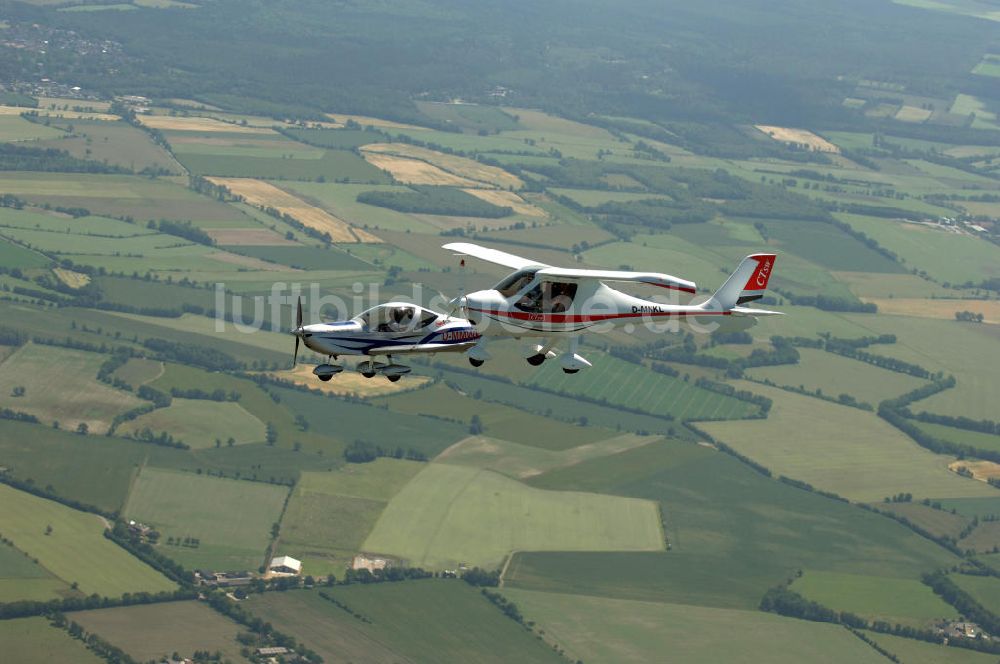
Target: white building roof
x,y
286,561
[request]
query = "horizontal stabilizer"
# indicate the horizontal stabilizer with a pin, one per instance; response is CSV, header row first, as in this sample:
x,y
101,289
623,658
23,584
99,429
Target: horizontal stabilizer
x,y
749,311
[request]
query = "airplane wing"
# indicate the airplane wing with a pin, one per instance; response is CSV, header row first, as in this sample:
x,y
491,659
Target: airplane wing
x,y
492,255
651,278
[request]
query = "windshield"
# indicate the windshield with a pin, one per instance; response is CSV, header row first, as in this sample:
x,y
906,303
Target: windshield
x,y
513,284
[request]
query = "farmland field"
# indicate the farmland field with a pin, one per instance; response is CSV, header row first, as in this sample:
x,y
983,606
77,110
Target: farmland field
x,y
341,201
441,621
836,375
153,631
331,165
937,521
60,385
75,550
452,514
984,589
35,641
912,651
610,631
732,533
896,601
115,143
620,383
496,420
983,441
21,578
92,470
330,514
231,518
523,461
201,422
930,249
850,452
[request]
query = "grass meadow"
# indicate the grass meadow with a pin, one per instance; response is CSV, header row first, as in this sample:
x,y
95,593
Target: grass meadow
x,y
896,601
851,452
60,385
35,641
148,632
75,550
232,518
912,651
448,515
201,422
607,631
732,533
330,514
444,621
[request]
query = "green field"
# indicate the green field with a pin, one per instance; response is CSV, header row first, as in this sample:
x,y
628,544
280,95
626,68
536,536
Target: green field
x,y
940,522
984,538
139,371
14,255
341,201
154,631
21,578
469,117
155,294
60,385
449,514
330,514
732,533
305,258
76,550
621,383
850,452
912,651
836,375
60,223
339,139
977,439
932,250
201,422
902,601
522,461
497,420
613,631
332,165
35,641
592,198
828,246
232,518
120,195
984,589
93,470
117,143
441,621
969,355
16,128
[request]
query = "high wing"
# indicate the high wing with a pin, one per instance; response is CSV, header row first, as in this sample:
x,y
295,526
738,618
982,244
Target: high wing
x,y
651,278
492,255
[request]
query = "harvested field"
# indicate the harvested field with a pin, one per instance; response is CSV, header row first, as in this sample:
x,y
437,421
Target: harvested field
x,y
263,194
414,171
456,166
165,122
71,278
246,261
944,309
71,115
350,382
508,199
913,114
248,237
799,136
981,470
366,121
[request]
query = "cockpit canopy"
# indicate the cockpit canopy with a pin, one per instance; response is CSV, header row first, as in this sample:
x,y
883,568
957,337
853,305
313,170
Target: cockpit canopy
x,y
396,317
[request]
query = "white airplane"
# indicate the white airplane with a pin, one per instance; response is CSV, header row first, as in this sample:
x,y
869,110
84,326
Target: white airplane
x,y
559,304
394,328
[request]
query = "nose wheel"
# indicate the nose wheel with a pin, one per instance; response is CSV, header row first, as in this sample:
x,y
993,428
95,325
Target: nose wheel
x,y
476,363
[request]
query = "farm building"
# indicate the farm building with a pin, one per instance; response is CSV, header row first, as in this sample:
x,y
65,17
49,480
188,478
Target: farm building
x,y
370,564
285,565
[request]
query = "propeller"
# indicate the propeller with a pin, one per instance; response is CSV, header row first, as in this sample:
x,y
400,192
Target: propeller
x,y
298,331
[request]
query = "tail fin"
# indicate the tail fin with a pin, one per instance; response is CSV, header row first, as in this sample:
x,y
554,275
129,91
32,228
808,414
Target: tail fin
x,y
746,284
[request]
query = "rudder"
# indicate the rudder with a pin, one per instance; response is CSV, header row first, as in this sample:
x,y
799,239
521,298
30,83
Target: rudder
x,y
746,284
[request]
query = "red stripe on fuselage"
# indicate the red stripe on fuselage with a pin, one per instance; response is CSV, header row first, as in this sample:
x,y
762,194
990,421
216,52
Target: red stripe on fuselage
x,y
576,318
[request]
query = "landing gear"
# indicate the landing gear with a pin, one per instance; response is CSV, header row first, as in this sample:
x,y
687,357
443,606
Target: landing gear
x,y
570,371
476,363
325,377
393,379
536,360
327,371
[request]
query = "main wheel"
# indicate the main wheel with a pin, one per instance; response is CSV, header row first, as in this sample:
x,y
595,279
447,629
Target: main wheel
x,y
393,379
367,374
536,360
570,371
476,363
325,377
